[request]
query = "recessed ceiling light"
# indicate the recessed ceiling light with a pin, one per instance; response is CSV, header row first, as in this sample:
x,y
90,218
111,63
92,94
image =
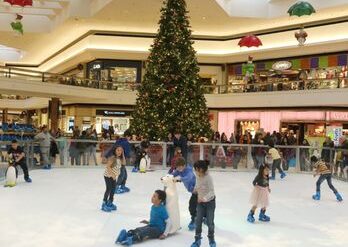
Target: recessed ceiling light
x,y
204,17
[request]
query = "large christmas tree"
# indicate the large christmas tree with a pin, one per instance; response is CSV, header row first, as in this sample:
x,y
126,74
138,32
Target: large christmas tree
x,y
171,96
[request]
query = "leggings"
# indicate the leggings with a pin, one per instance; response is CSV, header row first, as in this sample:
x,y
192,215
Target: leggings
x,y
110,189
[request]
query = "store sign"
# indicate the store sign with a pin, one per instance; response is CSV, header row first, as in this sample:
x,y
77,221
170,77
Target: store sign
x,y
339,116
96,66
112,113
282,65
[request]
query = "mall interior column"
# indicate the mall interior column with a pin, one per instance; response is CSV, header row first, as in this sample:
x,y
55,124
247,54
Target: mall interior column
x,y
5,115
54,114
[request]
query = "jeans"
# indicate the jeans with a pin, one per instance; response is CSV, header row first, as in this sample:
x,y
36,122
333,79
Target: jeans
x,y
146,232
326,177
45,153
193,206
122,178
236,158
259,160
110,189
276,165
208,209
92,152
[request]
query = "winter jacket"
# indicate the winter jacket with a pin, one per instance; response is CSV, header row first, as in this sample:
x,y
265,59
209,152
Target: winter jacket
x,y
188,177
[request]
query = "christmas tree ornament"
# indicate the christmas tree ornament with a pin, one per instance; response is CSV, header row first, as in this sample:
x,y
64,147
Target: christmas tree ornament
x,y
21,3
301,8
17,25
301,36
250,41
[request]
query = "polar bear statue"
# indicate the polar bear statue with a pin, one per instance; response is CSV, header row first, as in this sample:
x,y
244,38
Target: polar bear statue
x,y
172,202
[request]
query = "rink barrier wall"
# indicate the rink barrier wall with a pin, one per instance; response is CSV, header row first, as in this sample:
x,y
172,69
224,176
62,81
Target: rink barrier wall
x,y
222,156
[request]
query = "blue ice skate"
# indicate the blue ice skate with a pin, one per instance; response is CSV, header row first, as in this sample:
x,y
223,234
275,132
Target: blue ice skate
x,y
135,169
272,178
119,190
128,241
125,188
28,180
212,243
251,218
316,196
112,206
263,217
196,243
282,175
338,197
122,236
105,208
192,225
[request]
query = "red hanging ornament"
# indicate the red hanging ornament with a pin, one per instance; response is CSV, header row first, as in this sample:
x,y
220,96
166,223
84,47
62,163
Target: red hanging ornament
x,y
250,41
21,3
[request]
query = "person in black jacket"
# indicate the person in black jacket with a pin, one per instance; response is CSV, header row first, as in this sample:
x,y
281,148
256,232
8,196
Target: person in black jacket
x,y
181,142
327,155
19,159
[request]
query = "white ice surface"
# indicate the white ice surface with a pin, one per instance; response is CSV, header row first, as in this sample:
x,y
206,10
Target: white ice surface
x,y
61,208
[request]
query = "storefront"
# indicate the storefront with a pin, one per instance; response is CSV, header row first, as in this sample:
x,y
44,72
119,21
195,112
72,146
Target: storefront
x,y
118,120
310,72
305,124
100,117
116,72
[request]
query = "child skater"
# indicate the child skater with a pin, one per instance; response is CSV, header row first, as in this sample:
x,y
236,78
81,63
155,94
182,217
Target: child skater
x,y
321,169
206,203
277,160
158,226
177,155
260,195
186,175
111,173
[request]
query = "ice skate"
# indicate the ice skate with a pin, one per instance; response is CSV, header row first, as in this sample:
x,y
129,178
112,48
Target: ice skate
x,y
338,197
263,217
122,236
251,218
316,196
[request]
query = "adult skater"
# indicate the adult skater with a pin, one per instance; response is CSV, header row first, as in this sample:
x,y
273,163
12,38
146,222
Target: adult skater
x,y
206,203
260,195
320,168
158,226
19,159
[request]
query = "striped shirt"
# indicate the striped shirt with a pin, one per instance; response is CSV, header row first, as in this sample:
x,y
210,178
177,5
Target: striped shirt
x,y
321,168
112,169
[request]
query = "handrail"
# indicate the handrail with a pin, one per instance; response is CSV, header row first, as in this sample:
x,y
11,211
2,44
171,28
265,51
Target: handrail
x,y
208,89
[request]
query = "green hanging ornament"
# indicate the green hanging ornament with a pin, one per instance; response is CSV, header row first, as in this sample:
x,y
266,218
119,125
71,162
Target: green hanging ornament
x,y
17,25
301,8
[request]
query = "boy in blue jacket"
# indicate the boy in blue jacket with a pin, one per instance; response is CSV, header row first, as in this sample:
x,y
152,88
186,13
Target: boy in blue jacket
x,y
186,175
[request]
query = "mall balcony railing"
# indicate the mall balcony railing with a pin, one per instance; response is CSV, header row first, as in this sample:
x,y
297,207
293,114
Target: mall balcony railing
x,y
231,87
222,157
